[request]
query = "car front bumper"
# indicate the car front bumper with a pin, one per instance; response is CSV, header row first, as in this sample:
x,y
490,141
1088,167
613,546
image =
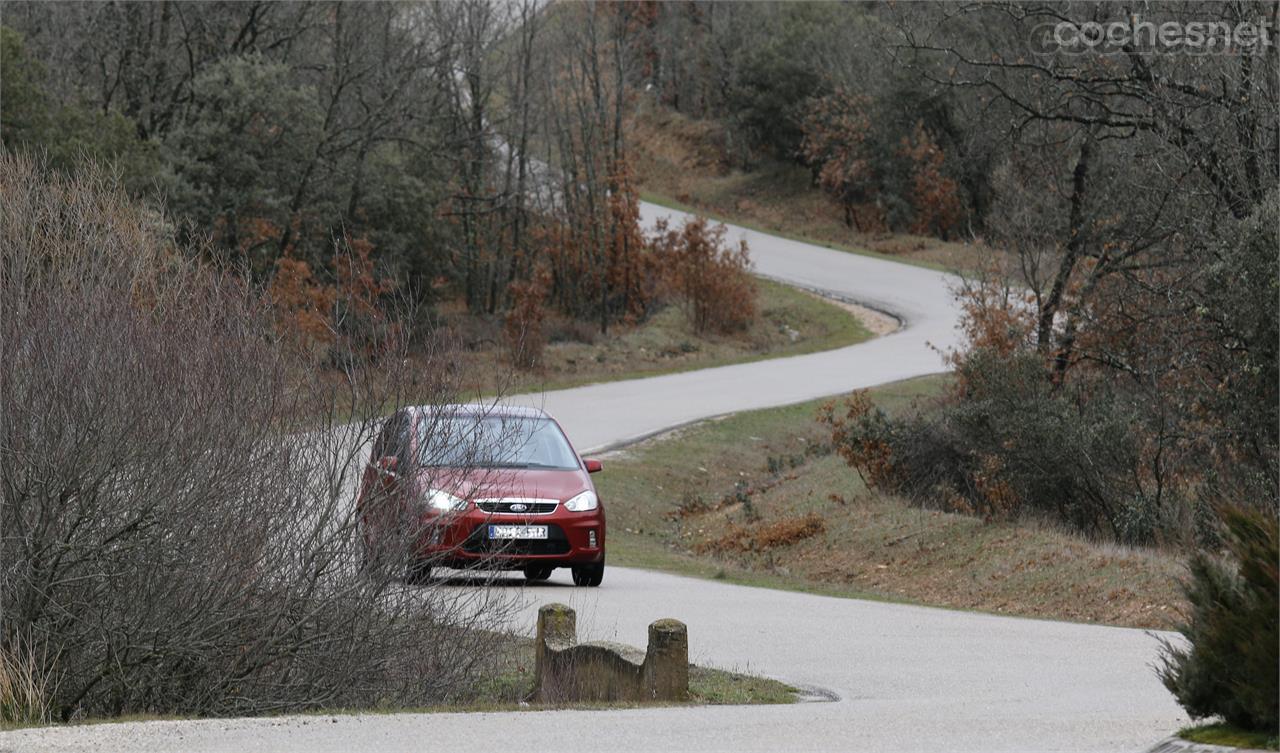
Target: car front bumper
x,y
462,540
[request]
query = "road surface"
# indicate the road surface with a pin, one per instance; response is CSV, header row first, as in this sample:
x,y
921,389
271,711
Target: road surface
x,y
907,678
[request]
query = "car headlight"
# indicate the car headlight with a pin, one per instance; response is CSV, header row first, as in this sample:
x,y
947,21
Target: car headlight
x,y
442,500
583,502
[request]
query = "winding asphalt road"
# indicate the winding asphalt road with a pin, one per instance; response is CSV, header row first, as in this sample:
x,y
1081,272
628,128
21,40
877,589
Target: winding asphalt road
x,y
906,678
604,415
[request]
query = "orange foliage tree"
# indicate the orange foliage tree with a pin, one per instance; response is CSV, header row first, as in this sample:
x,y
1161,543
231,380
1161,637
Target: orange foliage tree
x,y
630,273
360,315
934,196
346,317
596,253
303,305
836,129
710,278
523,325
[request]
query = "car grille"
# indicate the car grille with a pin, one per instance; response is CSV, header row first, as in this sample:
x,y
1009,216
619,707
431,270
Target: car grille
x,y
531,506
480,543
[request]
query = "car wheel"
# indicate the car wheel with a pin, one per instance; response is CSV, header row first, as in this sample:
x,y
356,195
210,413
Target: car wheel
x,y
371,562
534,573
418,574
588,575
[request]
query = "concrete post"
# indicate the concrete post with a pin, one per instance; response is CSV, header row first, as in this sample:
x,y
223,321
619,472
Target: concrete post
x,y
557,630
666,666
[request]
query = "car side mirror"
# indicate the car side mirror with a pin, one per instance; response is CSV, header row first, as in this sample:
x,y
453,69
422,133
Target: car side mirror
x,y
592,465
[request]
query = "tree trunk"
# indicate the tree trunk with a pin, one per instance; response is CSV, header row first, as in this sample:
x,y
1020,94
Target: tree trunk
x,y
1075,245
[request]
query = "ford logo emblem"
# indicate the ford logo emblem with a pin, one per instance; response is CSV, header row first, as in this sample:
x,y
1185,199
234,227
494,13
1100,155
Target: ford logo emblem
x,y
518,507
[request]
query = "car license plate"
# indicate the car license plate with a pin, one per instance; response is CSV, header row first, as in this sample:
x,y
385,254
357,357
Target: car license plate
x,y
517,532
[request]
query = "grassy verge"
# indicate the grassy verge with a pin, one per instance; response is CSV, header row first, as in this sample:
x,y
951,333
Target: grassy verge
x,y
1225,734
506,691
790,322
509,678
758,498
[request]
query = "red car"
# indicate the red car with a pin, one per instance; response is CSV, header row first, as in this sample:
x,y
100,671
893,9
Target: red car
x,y
481,486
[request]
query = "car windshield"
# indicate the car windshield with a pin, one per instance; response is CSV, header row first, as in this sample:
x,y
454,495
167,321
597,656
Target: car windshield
x,y
465,441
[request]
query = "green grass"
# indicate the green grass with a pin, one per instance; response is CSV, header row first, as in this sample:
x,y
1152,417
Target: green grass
x,y
819,324
1227,735
512,679
715,687
871,546
742,221
630,552
506,691
632,484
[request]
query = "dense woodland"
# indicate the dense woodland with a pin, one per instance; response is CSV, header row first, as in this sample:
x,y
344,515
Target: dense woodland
x,y
1120,374
415,137
479,149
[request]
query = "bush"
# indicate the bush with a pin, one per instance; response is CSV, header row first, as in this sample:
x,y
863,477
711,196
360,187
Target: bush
x,y
1009,443
863,436
710,280
523,325
768,100
562,329
883,163
764,537
174,541
1228,667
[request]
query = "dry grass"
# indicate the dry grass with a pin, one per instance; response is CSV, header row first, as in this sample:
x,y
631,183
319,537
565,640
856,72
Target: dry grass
x,y
764,537
681,162
854,542
24,688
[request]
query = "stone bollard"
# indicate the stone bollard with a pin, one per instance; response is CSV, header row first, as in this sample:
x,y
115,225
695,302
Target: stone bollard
x,y
600,671
557,631
666,663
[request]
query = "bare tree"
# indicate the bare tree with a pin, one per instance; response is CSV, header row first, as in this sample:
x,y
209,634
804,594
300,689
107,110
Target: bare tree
x,y
178,526
1130,175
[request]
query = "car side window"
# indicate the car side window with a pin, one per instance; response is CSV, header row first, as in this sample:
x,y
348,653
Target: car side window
x,y
393,439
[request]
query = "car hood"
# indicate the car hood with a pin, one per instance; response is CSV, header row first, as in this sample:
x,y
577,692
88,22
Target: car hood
x,y
485,483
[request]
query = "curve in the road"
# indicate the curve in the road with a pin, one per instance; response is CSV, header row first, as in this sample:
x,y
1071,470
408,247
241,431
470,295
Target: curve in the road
x,y
605,415
908,678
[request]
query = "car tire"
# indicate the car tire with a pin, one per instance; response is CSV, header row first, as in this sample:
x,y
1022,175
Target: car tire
x,y
589,576
371,562
535,573
419,573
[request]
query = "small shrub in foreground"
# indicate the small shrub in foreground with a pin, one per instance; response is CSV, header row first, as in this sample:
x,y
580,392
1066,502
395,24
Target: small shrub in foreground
x,y
1229,667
